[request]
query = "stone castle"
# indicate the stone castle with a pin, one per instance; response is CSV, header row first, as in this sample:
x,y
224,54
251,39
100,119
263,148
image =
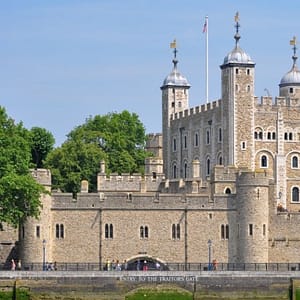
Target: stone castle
x,y
225,176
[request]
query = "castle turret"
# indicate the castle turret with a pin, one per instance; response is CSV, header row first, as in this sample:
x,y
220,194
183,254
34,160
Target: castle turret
x,y
36,234
238,102
175,98
290,83
252,217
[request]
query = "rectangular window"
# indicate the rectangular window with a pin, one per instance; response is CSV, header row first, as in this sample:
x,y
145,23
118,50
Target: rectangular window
x,y
264,229
38,231
251,229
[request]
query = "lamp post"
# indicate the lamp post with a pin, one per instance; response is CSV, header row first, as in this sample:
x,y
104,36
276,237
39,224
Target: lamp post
x,y
209,243
44,255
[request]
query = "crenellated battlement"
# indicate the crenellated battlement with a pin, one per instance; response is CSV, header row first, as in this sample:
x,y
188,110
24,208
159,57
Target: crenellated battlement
x,y
267,101
129,182
196,110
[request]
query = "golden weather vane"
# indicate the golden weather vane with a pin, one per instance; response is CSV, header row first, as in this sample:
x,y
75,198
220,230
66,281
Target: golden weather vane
x,y
237,17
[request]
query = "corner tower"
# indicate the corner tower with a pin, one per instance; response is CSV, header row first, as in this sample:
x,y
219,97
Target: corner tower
x,y
238,105
175,98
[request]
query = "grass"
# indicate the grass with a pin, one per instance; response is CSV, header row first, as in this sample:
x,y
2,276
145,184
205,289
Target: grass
x,y
159,294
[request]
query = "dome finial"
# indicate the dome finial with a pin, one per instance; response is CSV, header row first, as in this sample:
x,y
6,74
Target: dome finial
x,y
293,42
237,26
173,45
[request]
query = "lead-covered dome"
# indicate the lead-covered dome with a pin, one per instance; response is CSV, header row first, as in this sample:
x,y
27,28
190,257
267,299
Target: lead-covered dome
x,y
175,78
237,55
292,77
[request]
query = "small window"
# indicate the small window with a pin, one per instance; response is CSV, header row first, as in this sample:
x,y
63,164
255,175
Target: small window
x,y
273,135
210,216
224,232
295,163
248,88
228,191
264,161
174,145
144,232
236,71
173,104
291,90
196,140
38,231
185,170
243,145
248,71
175,231
59,231
109,231
179,104
295,194
220,160
236,87
220,135
290,136
174,171
208,167
185,142
264,229
251,229
207,137
269,135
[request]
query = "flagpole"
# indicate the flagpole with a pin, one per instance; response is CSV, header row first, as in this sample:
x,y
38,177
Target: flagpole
x,y
206,57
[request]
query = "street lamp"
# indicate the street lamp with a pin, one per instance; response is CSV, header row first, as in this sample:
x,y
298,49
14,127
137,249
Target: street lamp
x,y
209,243
44,255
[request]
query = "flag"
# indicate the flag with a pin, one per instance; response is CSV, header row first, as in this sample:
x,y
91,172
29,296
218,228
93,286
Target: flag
x,y
173,44
204,26
293,41
237,17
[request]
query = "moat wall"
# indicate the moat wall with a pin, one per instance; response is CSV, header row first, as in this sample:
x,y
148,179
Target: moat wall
x,y
115,285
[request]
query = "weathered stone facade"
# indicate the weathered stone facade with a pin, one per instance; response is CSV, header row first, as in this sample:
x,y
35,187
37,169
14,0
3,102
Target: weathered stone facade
x,y
227,171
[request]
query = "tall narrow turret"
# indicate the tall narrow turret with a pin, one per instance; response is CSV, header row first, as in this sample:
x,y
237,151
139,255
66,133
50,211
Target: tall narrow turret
x,y
175,98
238,102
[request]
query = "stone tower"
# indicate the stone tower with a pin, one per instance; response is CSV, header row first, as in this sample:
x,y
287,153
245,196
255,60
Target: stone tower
x,y
175,98
252,217
35,235
238,102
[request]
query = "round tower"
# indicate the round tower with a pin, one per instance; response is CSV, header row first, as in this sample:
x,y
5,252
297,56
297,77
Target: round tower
x,y
35,235
238,101
252,217
290,83
175,98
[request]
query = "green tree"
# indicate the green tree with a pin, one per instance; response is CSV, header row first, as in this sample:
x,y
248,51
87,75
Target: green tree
x,y
19,192
118,138
42,142
72,162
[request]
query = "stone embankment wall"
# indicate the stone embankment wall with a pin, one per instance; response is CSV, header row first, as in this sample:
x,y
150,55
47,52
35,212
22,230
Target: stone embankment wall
x,y
118,284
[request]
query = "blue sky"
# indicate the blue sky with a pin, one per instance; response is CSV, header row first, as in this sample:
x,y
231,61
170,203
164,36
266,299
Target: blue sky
x,y
62,61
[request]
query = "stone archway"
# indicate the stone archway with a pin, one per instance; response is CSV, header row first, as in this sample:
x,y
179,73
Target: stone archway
x,y
146,263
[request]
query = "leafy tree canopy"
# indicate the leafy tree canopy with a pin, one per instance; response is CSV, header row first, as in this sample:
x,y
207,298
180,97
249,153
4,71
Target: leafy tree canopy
x,y
42,142
19,192
118,138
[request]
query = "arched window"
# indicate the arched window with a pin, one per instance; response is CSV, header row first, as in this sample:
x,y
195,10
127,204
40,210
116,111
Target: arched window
x,y
264,161
185,142
228,191
185,170
196,140
290,136
207,137
174,145
174,171
208,167
220,135
295,194
220,160
295,163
